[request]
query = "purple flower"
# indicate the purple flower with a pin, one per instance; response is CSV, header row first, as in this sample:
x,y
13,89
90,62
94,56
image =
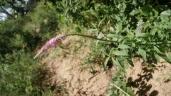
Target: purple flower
x,y
51,43
100,36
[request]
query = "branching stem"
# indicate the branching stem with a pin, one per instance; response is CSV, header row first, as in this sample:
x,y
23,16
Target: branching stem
x,y
120,89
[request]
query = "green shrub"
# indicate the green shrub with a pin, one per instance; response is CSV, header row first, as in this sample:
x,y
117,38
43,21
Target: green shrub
x,y
19,75
130,28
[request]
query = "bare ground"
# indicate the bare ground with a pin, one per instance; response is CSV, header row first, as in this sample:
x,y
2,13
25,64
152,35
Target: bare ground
x,y
67,69
151,79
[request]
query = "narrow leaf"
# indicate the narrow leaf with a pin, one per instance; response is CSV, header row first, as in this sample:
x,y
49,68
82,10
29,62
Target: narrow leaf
x,y
169,55
120,53
130,91
130,62
106,61
120,27
97,42
157,50
143,54
161,54
143,35
111,35
117,63
165,57
156,57
122,46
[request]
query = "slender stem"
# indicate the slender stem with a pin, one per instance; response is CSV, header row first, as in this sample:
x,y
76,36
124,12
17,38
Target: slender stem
x,y
120,89
93,37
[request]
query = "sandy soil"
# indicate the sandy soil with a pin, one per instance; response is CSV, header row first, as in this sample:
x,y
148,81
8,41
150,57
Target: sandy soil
x,y
67,69
150,81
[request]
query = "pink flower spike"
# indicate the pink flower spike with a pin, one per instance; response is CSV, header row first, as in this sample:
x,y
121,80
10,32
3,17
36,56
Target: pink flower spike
x,y
51,43
100,36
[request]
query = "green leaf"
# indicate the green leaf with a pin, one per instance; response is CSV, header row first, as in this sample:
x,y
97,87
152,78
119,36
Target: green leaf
x,y
93,30
120,27
169,55
157,50
157,57
122,6
149,11
111,35
106,61
50,5
111,50
61,18
115,39
143,35
117,63
120,53
97,42
130,91
165,57
100,22
158,79
134,12
115,92
146,25
130,62
143,54
168,25
122,46
123,84
166,13
78,29
161,54
121,93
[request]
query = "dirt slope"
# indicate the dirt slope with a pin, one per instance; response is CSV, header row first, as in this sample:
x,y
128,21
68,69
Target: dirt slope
x,y
67,69
151,81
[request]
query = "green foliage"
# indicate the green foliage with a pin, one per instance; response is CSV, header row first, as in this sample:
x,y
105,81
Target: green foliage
x,y
117,20
29,31
17,75
14,38
119,24
119,86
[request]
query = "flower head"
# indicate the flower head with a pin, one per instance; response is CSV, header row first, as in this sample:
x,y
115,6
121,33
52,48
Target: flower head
x,y
139,24
100,36
51,43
